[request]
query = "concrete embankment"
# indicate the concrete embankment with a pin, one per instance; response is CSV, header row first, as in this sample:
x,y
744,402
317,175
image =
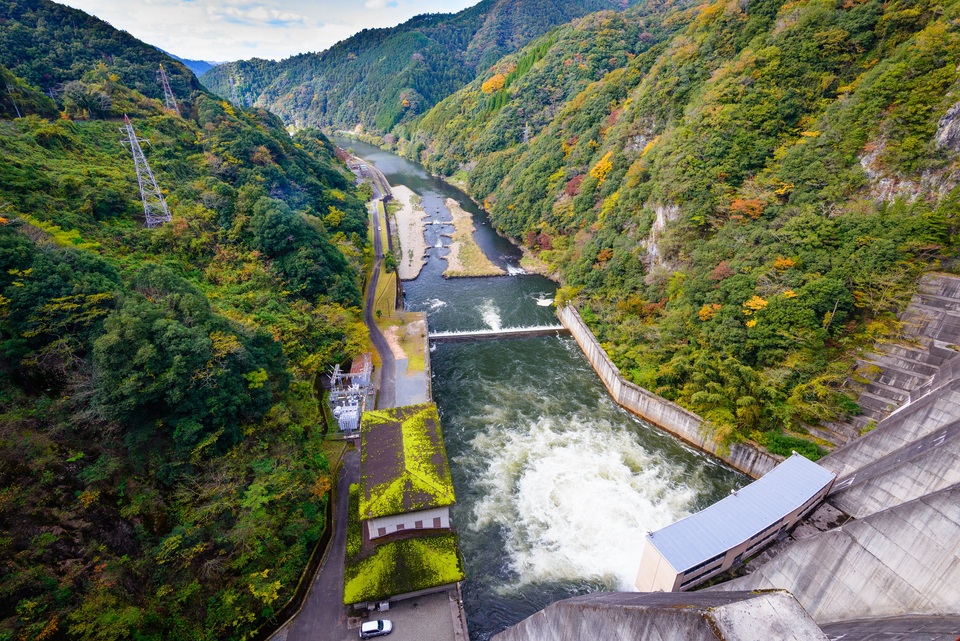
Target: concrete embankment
x,y
666,415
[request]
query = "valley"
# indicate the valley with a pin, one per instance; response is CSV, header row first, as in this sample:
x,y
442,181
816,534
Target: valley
x,y
753,208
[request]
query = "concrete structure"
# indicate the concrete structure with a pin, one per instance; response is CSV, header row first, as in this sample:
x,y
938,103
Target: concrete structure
x,y
912,423
437,518
904,560
405,476
929,464
895,629
901,372
676,420
734,616
690,551
497,334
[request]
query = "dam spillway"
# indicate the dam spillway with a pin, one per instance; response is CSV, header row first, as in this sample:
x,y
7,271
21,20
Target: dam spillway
x,y
492,334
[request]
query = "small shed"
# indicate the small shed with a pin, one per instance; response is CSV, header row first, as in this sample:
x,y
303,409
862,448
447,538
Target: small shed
x,y
690,551
405,475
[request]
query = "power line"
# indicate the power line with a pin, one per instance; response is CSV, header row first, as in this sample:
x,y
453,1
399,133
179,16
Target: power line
x,y
13,100
168,96
155,208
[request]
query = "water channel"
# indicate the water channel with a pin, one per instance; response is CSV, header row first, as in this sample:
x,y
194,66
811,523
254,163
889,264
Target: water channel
x,y
556,485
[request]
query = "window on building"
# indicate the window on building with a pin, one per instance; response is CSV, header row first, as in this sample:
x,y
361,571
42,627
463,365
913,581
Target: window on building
x,y
418,524
381,531
400,526
436,522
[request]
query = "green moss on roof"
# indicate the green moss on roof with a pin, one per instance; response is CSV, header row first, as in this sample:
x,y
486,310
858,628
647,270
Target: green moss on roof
x,y
404,464
403,566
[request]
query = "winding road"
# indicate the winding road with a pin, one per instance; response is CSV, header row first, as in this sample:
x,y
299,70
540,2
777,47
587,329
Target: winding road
x,y
323,616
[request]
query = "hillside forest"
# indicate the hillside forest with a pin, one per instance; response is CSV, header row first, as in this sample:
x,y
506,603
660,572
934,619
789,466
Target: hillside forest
x,y
381,77
161,468
739,197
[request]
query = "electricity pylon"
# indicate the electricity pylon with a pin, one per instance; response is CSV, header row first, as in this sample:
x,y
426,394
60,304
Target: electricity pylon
x,y
168,97
155,208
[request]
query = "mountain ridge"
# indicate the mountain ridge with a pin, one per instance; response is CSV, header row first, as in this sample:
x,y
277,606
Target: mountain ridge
x,y
736,210
379,77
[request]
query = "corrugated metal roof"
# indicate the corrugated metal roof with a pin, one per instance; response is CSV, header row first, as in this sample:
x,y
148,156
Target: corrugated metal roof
x,y
733,520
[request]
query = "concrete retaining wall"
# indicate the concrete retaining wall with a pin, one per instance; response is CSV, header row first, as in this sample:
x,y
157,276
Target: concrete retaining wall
x,y
666,415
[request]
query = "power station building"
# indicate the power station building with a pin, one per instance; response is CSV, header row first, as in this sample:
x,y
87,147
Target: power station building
x,y
690,551
405,476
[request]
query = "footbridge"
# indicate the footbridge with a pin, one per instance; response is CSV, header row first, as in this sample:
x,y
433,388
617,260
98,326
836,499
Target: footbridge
x,y
505,332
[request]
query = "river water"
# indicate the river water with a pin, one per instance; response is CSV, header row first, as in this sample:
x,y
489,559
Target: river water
x,y
556,485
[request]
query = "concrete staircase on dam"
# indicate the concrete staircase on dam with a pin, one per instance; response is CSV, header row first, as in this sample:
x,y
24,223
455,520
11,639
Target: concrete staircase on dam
x,y
896,369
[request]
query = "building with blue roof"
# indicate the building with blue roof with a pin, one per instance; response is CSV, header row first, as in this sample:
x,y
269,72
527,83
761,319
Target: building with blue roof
x,y
690,551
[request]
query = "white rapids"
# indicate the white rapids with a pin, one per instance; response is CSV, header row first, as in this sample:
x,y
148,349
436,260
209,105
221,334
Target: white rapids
x,y
490,314
574,500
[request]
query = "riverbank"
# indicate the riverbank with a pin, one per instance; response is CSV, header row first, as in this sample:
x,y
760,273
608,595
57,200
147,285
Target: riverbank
x,y
682,423
410,217
466,258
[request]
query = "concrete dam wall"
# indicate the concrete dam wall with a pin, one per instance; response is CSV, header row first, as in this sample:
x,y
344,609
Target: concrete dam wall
x,y
666,415
669,616
902,560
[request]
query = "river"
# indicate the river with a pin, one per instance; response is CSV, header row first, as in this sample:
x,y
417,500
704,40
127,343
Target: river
x,y
556,485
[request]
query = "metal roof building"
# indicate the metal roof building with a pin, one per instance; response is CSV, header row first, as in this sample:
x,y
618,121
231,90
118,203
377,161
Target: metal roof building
x,y
693,549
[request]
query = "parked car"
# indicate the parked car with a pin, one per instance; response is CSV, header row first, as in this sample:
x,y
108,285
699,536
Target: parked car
x,y
376,628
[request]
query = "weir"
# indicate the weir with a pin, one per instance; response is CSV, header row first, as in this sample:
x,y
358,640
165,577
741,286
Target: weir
x,y
506,332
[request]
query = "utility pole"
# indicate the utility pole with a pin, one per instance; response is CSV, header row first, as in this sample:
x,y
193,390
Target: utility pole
x,y
13,100
155,208
168,96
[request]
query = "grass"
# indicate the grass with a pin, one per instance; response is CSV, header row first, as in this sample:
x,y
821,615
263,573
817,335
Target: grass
x,y
414,347
385,298
354,527
333,450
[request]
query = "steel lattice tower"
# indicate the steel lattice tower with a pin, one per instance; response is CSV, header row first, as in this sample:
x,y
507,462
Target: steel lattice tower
x,y
168,96
155,208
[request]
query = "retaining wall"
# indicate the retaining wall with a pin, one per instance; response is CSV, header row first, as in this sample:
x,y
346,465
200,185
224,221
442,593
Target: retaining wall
x,y
666,415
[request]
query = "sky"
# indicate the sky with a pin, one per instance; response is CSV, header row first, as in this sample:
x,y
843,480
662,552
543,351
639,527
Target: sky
x,y
222,30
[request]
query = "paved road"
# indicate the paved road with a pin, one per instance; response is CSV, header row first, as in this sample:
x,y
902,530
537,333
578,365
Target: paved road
x,y
323,616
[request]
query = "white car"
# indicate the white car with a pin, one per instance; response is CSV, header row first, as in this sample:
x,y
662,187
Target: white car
x,y
377,628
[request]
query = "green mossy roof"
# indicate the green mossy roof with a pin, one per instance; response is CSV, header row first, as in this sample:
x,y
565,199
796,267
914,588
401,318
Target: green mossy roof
x,y
404,566
404,464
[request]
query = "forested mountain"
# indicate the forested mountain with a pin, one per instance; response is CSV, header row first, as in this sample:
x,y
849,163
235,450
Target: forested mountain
x,y
380,77
161,471
742,198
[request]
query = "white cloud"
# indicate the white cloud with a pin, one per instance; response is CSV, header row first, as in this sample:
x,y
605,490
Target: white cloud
x,y
236,29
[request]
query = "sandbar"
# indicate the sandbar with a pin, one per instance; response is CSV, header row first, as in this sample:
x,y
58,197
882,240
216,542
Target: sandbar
x,y
466,258
413,247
